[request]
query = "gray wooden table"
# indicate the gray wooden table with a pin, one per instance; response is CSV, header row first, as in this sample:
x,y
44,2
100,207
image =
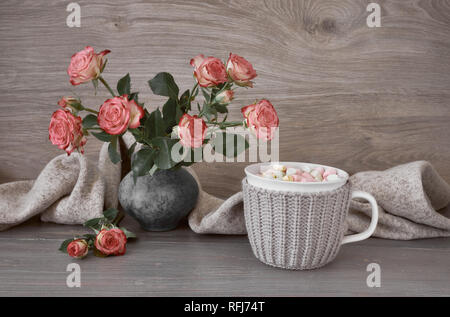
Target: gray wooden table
x,y
181,263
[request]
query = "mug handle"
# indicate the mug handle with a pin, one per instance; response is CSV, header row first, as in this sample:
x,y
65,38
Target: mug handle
x,y
373,223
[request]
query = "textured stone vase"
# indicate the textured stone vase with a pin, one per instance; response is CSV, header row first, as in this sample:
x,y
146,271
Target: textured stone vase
x,y
160,201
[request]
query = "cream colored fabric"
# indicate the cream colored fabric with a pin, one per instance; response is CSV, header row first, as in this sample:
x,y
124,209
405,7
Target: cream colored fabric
x,y
69,190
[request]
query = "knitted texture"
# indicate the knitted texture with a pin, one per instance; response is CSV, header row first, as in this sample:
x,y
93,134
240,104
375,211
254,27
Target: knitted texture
x,y
296,231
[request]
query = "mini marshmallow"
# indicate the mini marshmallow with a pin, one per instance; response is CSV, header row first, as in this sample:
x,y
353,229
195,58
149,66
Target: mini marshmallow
x,y
329,171
306,169
320,169
278,174
288,178
316,173
308,177
278,167
291,171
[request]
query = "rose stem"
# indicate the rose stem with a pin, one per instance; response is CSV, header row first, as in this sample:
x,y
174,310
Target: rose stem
x,y
106,85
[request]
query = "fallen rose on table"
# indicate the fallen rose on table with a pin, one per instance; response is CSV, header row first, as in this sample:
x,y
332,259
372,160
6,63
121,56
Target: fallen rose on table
x,y
108,239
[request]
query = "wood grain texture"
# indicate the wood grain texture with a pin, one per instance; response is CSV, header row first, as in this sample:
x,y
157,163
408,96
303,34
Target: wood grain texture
x,y
351,96
182,263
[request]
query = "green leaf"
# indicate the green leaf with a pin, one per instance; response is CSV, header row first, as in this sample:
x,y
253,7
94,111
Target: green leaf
x,y
93,223
77,106
89,236
163,84
163,158
170,114
178,115
154,125
142,162
206,95
110,214
134,96
230,144
112,151
184,100
128,233
102,136
138,135
131,149
124,85
89,121
221,108
64,245
209,112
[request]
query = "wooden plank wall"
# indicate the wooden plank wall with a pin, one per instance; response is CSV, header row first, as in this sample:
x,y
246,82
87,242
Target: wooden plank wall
x,y
348,95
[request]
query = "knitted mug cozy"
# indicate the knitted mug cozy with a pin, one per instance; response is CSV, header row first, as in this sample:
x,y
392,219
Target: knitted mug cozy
x,y
297,231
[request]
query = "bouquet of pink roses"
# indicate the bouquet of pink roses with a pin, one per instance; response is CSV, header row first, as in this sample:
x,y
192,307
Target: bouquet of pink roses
x,y
159,131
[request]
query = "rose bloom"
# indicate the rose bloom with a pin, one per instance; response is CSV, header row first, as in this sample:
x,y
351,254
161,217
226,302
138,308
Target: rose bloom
x,y
225,97
209,71
65,102
111,242
66,132
240,70
78,248
86,65
192,131
118,114
262,119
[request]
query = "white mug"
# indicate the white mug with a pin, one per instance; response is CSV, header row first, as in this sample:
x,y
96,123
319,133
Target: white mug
x,y
254,179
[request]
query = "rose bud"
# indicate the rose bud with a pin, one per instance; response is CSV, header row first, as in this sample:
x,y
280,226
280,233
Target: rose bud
x,y
78,248
192,131
240,70
118,114
209,71
66,132
225,97
86,65
111,242
69,102
262,119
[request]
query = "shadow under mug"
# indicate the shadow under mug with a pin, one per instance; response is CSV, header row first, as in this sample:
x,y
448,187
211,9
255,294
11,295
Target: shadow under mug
x,y
301,230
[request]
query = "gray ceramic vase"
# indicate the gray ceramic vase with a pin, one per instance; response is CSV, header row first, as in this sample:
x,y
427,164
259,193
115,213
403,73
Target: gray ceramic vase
x,y
160,201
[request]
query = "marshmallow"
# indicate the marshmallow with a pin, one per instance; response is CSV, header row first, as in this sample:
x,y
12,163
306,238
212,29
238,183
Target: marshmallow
x,y
303,174
291,171
278,167
306,169
329,171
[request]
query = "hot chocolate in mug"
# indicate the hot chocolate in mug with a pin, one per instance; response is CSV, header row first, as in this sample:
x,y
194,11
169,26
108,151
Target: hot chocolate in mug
x,y
299,225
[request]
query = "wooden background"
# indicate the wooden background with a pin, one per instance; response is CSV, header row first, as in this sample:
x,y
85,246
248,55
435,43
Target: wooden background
x,y
348,95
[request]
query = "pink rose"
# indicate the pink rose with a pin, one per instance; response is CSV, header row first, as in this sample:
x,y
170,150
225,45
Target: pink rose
x,y
192,131
240,70
78,248
111,242
209,71
262,119
225,97
65,131
118,114
86,65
